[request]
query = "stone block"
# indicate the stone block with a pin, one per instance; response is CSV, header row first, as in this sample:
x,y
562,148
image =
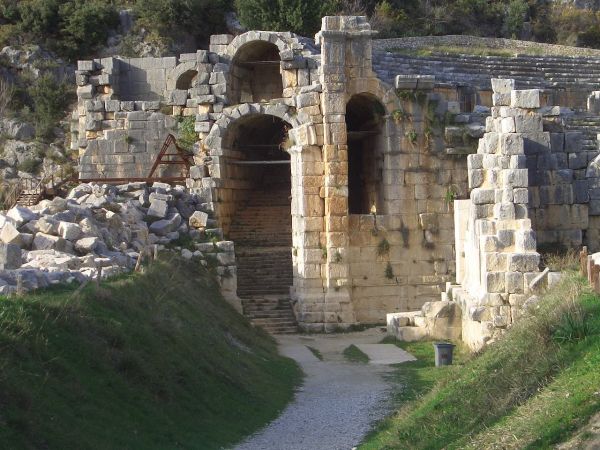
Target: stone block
x,y
69,231
511,144
198,219
527,98
158,208
10,257
10,234
523,262
494,282
178,97
514,282
502,85
482,196
500,99
534,143
557,142
86,66
573,141
85,92
528,123
515,178
112,105
164,226
577,160
507,125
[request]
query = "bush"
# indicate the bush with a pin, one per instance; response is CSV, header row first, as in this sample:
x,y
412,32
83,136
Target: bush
x,y
29,165
84,26
173,19
516,13
71,28
299,16
49,99
187,135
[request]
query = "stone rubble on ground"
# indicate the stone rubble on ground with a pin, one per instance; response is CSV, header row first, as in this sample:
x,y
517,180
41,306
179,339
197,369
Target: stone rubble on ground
x,y
101,226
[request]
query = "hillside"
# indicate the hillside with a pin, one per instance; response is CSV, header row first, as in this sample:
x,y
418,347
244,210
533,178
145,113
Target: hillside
x,y
153,360
532,388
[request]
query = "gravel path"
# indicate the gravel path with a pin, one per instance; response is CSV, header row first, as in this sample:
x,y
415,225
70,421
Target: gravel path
x,y
338,402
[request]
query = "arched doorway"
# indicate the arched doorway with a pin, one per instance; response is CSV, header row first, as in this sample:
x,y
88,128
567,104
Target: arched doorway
x,y
259,168
255,74
364,123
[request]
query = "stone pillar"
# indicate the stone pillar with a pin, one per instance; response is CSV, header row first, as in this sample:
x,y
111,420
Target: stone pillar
x,y
339,36
499,234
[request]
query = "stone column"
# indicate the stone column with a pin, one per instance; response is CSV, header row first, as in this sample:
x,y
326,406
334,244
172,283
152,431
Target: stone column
x,y
336,38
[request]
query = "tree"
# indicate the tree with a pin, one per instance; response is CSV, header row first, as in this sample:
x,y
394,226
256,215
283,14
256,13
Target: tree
x,y
299,16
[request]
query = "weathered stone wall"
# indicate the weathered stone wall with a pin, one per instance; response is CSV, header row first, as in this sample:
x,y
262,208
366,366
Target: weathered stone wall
x,y
394,248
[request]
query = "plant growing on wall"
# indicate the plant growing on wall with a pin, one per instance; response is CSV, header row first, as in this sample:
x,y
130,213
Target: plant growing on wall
x,y
412,136
389,271
187,134
383,248
400,116
450,196
337,257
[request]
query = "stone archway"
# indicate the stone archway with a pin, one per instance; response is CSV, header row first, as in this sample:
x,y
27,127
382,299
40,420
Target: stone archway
x,y
258,174
364,123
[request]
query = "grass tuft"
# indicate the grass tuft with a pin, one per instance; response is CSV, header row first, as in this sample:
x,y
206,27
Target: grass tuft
x,y
315,352
353,354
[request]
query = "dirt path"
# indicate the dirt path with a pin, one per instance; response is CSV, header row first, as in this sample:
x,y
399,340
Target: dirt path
x,y
338,402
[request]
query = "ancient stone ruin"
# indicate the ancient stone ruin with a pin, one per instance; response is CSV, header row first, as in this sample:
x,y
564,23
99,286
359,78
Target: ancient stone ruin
x,y
359,183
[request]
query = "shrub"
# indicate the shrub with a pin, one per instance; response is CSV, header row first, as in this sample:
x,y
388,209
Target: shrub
x,y
187,135
49,99
590,37
29,165
71,28
173,18
84,26
299,16
516,13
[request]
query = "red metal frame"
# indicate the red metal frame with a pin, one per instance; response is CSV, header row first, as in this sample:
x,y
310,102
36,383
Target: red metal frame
x,y
163,158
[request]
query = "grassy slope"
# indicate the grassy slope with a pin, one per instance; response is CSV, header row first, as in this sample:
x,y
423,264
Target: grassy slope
x,y
528,390
157,360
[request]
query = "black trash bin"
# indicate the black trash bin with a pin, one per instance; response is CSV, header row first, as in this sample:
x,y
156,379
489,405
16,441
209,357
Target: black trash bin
x,y
443,353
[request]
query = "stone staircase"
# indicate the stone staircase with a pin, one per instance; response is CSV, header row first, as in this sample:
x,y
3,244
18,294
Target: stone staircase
x,y
262,232
580,74
589,126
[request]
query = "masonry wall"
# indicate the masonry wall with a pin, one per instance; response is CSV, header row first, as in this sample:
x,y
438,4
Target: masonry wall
x,y
398,255
403,257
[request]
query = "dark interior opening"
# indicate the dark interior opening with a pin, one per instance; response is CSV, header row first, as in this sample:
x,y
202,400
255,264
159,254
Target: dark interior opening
x,y
186,80
364,122
261,224
255,74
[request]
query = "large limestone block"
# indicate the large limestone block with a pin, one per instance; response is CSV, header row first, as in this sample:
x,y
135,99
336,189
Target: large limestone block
x,y
21,215
158,208
10,235
527,98
198,220
87,244
165,226
43,241
502,86
10,257
69,231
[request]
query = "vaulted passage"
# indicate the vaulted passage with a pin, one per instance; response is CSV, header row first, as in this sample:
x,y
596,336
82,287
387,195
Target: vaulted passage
x,y
364,121
261,221
255,73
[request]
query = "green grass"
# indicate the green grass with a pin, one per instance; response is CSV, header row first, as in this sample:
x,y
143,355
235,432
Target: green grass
x,y
531,389
353,354
470,50
155,361
315,352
